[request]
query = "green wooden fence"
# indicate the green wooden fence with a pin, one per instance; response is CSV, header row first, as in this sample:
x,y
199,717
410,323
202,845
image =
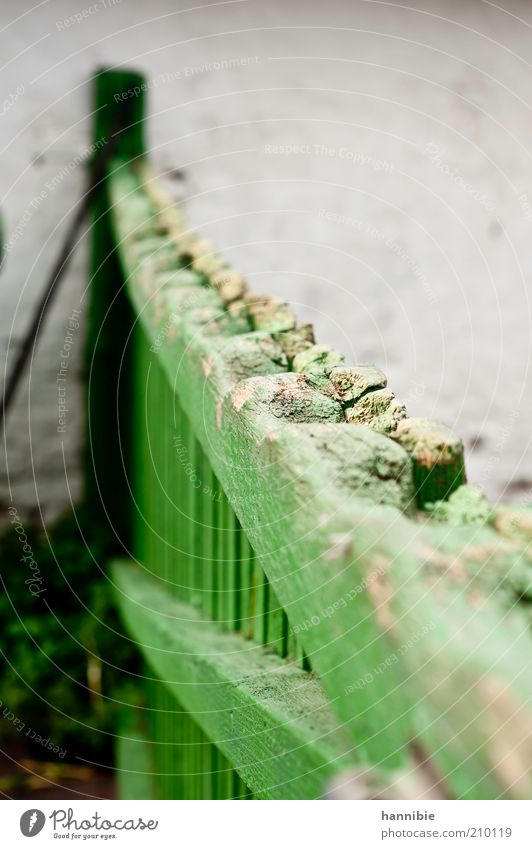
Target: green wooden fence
x,y
319,598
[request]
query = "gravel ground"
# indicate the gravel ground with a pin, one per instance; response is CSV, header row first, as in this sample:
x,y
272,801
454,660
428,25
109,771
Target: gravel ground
x,y
24,777
368,161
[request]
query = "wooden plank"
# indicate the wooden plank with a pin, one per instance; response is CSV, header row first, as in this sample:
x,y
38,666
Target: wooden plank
x,y
133,754
174,489
212,504
247,596
275,620
197,541
169,736
224,566
187,508
271,720
261,605
178,473
234,577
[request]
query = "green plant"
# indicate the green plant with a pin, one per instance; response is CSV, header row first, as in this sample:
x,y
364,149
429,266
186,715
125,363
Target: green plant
x,y
63,659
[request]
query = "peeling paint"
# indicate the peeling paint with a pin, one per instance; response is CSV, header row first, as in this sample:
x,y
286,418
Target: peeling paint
x,y
244,391
340,546
206,365
219,408
380,590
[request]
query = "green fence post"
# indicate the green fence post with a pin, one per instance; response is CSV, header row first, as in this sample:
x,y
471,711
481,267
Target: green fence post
x,y
118,127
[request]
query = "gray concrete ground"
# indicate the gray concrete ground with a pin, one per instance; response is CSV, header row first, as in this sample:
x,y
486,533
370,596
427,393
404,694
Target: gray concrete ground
x,y
366,160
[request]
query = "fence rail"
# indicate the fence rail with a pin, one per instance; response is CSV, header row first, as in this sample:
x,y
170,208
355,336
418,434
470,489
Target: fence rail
x,y
319,597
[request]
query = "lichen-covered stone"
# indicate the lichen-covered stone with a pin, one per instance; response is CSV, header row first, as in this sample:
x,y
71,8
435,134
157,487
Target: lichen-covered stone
x,y
438,456
179,277
157,247
250,354
351,382
149,230
319,379
369,464
315,358
209,264
267,313
515,523
289,397
230,284
466,506
379,410
238,309
295,341
201,247
429,441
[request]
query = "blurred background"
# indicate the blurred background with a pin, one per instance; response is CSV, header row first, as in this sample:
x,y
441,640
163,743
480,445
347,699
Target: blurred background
x,y
368,161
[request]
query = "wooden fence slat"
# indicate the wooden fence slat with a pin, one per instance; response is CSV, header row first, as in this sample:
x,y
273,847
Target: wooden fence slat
x,y
275,712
